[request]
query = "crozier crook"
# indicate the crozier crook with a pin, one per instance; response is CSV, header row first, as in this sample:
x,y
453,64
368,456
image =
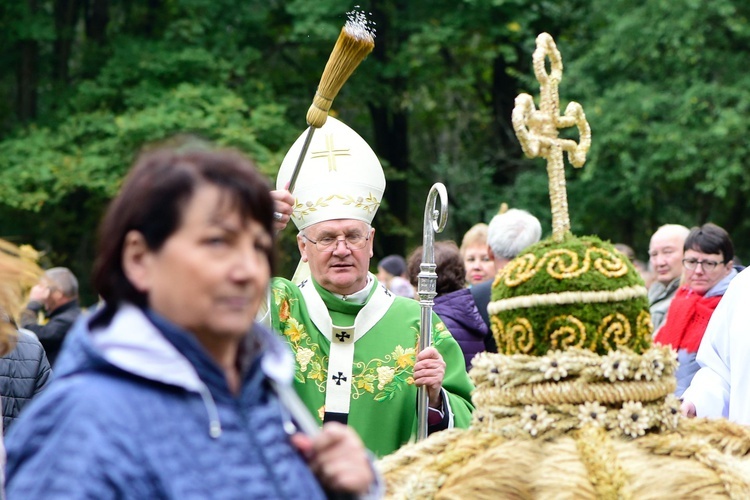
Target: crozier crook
x,y
435,217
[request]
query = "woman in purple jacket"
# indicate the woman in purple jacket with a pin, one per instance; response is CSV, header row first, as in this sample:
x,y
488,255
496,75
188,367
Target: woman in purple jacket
x,y
453,303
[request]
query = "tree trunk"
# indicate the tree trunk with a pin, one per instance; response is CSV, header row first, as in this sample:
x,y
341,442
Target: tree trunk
x,y
153,17
96,14
66,17
503,100
27,80
390,126
27,73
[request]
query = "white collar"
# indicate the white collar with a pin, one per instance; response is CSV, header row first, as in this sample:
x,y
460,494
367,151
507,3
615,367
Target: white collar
x,y
358,297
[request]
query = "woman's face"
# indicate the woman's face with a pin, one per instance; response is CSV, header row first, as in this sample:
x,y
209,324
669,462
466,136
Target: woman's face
x,y
210,275
479,266
708,270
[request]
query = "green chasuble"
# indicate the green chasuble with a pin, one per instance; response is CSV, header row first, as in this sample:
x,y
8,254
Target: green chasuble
x,y
382,405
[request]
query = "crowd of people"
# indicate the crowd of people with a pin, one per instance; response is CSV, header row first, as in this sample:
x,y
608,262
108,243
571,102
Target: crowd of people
x,y
200,358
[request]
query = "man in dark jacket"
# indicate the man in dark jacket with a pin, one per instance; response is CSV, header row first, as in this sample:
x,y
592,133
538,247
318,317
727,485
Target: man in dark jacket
x,y
57,293
508,234
24,372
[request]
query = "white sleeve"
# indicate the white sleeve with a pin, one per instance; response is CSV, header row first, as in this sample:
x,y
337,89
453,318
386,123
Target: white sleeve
x,y
709,391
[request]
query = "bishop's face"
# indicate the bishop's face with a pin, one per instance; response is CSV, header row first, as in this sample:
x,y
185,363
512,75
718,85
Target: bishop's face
x,y
339,253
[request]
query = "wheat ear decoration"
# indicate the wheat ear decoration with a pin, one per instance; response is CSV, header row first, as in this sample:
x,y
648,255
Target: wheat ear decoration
x,y
538,130
355,42
18,273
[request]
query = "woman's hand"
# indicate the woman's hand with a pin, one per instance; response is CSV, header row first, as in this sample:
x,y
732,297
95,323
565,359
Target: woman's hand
x,y
283,203
338,459
688,409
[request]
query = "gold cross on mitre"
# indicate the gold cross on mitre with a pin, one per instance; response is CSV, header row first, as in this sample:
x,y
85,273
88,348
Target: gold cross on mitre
x,y
537,130
331,153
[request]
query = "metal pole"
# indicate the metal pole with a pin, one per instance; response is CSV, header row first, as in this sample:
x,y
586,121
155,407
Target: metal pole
x,y
301,159
435,217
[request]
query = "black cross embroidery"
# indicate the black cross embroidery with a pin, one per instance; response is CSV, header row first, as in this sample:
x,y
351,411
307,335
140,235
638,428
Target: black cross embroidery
x,y
342,336
338,378
302,285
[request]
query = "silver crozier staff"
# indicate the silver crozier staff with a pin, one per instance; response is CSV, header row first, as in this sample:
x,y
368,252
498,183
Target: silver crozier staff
x,y
434,222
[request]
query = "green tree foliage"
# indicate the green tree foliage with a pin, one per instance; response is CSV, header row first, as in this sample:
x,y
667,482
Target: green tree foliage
x,y
151,80
666,93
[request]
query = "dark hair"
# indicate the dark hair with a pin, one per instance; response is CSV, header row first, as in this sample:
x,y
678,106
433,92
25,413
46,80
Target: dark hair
x,y
394,264
626,250
710,238
449,267
151,201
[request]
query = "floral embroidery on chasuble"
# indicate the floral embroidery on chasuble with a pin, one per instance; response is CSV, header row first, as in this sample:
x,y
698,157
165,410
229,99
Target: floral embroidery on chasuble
x,y
382,405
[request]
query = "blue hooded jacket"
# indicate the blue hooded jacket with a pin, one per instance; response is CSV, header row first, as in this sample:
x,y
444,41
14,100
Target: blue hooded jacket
x,y
137,409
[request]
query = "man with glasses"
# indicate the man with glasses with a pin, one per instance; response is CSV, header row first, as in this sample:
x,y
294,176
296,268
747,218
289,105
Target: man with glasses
x,y
354,341
665,255
709,267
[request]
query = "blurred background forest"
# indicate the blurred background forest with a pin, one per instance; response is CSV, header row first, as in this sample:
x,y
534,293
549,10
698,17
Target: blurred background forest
x,y
664,83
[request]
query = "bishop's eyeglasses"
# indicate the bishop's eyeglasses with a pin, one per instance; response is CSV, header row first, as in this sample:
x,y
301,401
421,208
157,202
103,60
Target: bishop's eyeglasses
x,y
708,265
354,241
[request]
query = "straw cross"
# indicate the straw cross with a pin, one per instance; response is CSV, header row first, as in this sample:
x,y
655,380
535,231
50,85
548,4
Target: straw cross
x,y
538,129
331,153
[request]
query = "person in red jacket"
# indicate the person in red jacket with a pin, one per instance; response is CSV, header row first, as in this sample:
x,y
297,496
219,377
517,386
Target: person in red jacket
x,y
708,269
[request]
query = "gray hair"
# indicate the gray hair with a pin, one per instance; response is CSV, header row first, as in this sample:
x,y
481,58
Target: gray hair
x,y
511,232
64,280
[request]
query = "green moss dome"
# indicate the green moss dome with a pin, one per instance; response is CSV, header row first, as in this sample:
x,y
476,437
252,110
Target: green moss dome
x,y
580,292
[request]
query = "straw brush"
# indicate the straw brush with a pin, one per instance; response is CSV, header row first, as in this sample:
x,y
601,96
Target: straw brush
x,y
355,42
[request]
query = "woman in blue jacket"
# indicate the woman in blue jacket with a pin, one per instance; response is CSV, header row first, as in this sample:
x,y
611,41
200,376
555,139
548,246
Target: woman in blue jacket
x,y
171,390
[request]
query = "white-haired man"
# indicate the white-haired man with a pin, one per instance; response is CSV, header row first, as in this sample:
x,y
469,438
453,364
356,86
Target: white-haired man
x,y
665,254
509,233
353,340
